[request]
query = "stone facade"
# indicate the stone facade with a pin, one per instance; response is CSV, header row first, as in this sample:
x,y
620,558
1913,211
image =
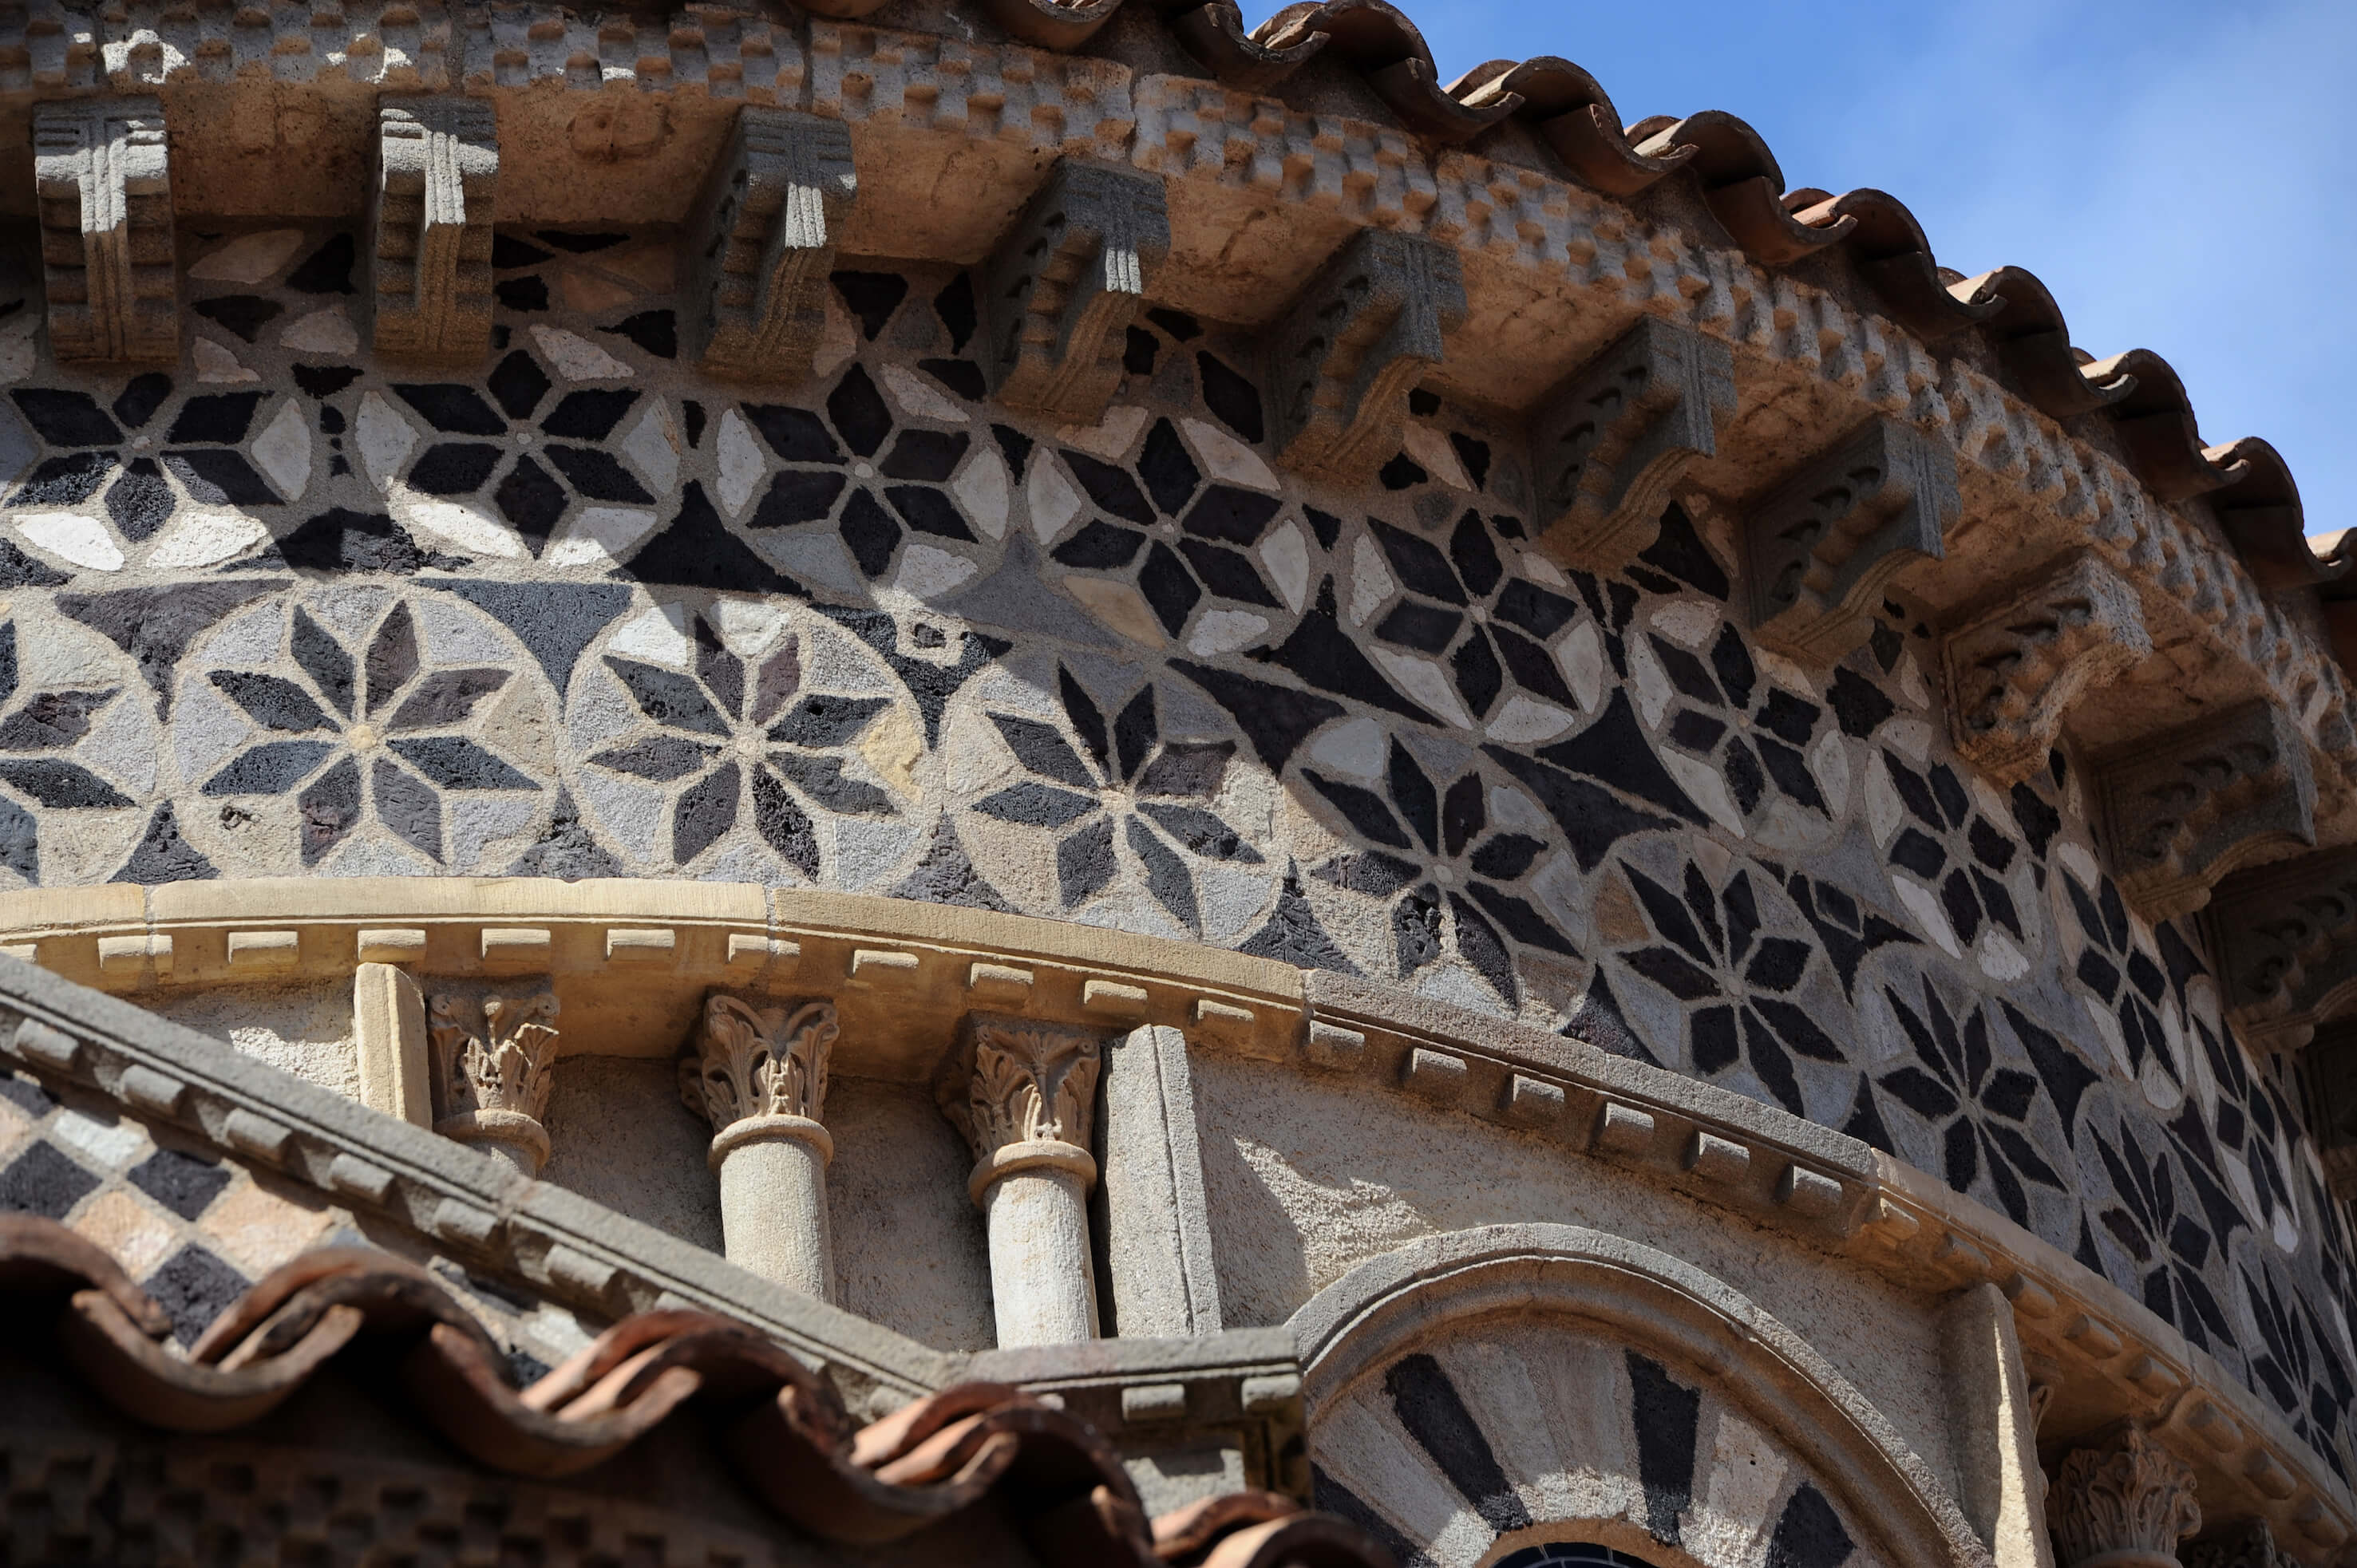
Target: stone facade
x,y
1255,765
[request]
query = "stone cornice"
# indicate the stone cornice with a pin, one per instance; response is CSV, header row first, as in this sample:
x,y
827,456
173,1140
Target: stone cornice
x,y
903,975
271,111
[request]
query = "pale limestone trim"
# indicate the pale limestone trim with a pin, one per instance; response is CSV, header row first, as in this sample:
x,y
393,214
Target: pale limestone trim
x,y
389,1034
1993,1428
2115,1357
1656,1303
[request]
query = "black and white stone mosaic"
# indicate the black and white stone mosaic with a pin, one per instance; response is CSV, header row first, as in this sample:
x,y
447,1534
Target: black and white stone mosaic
x,y
287,610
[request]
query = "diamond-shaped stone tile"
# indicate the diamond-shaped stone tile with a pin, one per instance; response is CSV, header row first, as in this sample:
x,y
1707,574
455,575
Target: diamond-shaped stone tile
x,y
43,1181
182,1183
193,1287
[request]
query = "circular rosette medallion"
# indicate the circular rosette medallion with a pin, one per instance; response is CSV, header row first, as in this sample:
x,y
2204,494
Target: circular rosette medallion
x,y
745,741
78,747
1117,800
357,732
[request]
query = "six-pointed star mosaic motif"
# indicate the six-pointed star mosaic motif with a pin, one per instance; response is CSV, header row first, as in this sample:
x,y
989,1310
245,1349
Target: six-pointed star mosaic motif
x,y
586,614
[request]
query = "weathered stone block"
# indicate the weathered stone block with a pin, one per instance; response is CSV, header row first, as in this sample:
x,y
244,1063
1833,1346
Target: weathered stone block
x,y
1356,342
2286,940
2184,810
431,205
763,242
2014,672
1826,543
1609,443
103,181
1064,285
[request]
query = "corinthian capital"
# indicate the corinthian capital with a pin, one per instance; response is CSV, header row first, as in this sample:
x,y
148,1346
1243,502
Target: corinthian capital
x,y
1027,1083
493,1064
751,1062
2126,1502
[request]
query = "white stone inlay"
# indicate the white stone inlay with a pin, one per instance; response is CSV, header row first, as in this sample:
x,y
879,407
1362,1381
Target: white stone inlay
x,y
578,360
284,450
249,258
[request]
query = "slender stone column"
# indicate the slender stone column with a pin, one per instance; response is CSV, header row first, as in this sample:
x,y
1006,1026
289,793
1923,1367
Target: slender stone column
x,y
493,1062
2123,1503
1024,1101
760,1078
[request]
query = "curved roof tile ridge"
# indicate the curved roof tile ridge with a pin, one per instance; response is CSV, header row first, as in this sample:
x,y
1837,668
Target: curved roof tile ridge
x,y
1744,186
786,1431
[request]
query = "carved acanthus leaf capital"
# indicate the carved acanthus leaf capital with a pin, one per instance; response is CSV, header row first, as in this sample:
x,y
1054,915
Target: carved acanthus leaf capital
x,y
2125,1498
750,1062
495,1055
1025,1082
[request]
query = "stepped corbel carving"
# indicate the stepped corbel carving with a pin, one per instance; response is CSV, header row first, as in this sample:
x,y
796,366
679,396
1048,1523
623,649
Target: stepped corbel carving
x,y
2332,1084
1610,443
1065,283
2014,672
101,179
2250,1544
2186,809
758,1075
1368,328
1024,1094
2125,1502
2286,940
763,242
494,1060
431,205
1825,543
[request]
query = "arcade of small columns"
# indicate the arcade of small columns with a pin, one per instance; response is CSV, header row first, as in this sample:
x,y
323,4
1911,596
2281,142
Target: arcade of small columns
x,y
1022,1093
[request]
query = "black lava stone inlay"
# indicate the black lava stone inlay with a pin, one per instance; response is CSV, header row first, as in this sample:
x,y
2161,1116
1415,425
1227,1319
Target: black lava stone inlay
x,y
1235,400
872,297
184,1183
194,1288
43,1181
1665,1414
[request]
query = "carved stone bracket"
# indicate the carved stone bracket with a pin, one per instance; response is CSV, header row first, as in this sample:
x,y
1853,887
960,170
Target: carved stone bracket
x,y
1825,543
493,1062
431,205
1065,283
2332,1120
102,180
758,1066
1370,326
2184,810
1609,443
2287,942
2014,672
2125,1504
763,242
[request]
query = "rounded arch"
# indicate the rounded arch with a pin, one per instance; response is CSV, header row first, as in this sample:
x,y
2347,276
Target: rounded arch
x,y
1635,1328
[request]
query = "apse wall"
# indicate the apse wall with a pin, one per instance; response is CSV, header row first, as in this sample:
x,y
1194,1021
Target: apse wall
x,y
286,612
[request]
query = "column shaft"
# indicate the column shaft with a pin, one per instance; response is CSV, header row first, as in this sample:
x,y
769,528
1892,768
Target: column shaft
x,y
1042,1288
773,1211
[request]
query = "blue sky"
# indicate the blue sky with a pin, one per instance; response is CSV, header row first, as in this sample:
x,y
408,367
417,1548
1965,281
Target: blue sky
x,y
2183,176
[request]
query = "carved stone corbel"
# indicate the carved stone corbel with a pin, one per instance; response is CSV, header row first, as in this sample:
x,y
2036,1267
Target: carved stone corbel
x,y
2287,944
1609,443
1825,543
1370,326
1064,285
101,179
2331,1065
763,242
758,1075
2124,1503
2186,809
2250,1544
2014,672
431,205
493,1062
1024,1094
